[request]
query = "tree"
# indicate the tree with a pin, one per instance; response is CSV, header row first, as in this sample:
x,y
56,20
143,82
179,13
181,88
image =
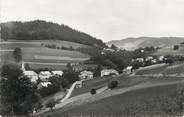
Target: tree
x,y
51,103
71,76
93,91
97,71
17,53
113,84
114,47
15,90
176,47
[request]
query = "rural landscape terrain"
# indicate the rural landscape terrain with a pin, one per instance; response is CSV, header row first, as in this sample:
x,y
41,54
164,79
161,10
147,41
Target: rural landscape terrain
x,y
48,69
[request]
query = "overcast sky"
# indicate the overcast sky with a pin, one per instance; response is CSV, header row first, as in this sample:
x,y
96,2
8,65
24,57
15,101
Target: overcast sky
x,y
104,19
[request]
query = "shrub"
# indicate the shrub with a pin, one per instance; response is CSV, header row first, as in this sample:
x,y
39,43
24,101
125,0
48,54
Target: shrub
x,y
113,84
93,91
50,104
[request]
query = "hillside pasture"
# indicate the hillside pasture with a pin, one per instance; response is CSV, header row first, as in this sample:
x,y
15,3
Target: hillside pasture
x,y
38,43
169,51
172,70
146,98
89,84
145,101
35,53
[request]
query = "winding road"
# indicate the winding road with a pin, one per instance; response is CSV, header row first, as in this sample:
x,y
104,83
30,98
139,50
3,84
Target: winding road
x,y
104,93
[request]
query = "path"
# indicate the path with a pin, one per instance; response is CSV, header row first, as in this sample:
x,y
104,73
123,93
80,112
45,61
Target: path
x,y
66,100
40,63
9,50
87,97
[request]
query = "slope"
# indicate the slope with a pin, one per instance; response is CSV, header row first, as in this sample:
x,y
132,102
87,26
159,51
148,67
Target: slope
x,y
134,43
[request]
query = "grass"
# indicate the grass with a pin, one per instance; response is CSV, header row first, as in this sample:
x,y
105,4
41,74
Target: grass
x,y
139,102
34,52
169,51
173,69
146,101
89,84
37,43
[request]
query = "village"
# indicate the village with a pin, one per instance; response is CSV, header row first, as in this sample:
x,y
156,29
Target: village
x,y
86,74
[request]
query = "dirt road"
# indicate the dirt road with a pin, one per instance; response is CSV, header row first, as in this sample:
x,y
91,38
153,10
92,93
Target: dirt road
x,y
87,97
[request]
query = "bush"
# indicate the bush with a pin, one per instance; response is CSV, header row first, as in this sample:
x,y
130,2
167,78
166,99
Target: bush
x,y
93,91
113,84
50,104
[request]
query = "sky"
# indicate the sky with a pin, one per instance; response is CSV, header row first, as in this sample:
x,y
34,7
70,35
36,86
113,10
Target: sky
x,y
103,19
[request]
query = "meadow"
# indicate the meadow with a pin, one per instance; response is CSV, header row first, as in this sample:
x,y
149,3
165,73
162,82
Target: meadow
x,y
157,100
169,51
175,69
33,51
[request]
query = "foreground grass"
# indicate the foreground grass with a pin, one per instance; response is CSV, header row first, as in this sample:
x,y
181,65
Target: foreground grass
x,y
149,101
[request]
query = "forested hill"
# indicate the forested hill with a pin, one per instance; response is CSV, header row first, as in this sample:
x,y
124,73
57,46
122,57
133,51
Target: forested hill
x,y
42,30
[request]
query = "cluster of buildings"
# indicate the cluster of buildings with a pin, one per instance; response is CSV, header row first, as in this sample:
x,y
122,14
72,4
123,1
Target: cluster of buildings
x,y
42,75
149,58
85,73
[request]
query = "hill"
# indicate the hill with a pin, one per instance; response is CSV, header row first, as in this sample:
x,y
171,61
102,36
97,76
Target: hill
x,y
175,70
42,30
151,96
134,43
38,56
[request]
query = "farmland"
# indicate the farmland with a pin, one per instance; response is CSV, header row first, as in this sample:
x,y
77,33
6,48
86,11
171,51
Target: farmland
x,y
145,98
34,52
37,43
175,69
169,51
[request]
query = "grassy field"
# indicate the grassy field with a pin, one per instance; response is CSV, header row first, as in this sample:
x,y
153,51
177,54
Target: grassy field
x,y
37,43
34,52
148,101
173,69
169,51
89,84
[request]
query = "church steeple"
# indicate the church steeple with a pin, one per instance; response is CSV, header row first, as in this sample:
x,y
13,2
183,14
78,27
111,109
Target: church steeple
x,y
23,67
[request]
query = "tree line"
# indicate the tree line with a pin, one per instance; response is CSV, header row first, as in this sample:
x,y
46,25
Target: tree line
x,y
42,30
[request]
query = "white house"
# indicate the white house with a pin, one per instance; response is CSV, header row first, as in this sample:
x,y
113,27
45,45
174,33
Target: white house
x,y
43,84
59,73
154,61
78,84
32,75
161,58
140,59
128,70
44,75
149,58
107,72
86,75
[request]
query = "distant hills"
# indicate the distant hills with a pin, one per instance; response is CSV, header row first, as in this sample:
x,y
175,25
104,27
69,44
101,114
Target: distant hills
x,y
42,30
134,43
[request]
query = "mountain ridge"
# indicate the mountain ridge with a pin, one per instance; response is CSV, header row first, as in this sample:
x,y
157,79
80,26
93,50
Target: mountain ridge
x,y
44,30
134,43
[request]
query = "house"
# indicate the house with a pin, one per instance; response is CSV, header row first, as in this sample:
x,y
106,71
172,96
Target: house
x,y
43,84
161,58
59,73
32,75
140,60
78,84
154,61
128,70
44,75
84,75
82,67
149,58
106,72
